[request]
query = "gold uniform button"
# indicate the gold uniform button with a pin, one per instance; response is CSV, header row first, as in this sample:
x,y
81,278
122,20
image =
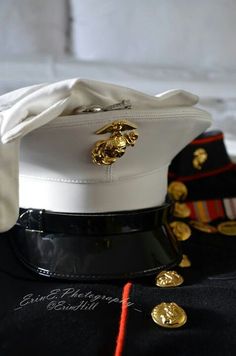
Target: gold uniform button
x,y
177,190
169,315
166,279
181,210
198,225
227,228
181,230
185,262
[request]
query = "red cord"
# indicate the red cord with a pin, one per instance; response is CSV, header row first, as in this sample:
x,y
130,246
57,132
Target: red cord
x,y
123,320
200,141
203,174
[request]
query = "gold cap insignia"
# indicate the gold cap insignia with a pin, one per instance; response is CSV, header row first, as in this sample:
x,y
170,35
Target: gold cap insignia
x,y
167,279
169,315
200,157
106,152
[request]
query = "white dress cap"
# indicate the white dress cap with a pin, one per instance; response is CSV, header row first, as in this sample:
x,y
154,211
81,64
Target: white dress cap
x,y
90,147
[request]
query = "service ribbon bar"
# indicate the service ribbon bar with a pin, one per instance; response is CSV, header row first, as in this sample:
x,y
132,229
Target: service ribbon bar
x,y
209,210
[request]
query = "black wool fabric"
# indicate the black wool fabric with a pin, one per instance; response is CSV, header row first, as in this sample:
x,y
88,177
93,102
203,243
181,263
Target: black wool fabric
x,y
41,316
30,324
209,330
208,297
219,186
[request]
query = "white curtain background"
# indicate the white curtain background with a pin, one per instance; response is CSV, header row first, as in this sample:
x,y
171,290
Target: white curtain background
x,y
167,33
33,27
151,45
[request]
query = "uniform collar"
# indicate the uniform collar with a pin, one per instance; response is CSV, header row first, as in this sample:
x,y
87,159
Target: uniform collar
x,y
205,156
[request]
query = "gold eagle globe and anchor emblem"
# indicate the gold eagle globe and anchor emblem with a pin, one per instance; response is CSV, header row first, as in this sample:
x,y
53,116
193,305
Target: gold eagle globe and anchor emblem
x,y
106,152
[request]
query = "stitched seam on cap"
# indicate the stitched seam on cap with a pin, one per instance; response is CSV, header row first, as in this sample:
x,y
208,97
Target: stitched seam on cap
x,y
109,173
87,181
131,115
103,122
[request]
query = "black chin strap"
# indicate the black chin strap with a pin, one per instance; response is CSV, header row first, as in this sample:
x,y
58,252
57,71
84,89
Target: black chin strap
x,y
93,224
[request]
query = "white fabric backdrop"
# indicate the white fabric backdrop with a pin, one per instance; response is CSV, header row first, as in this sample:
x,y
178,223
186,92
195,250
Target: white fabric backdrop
x,y
151,45
170,33
32,27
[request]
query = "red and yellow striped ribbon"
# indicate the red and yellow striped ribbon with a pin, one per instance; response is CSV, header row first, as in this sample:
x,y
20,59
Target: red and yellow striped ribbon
x,y
209,210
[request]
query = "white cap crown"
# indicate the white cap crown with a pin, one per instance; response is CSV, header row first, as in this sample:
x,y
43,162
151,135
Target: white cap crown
x,y
73,156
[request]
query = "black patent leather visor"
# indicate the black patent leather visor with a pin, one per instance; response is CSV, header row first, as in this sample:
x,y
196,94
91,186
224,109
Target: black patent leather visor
x,y
95,246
